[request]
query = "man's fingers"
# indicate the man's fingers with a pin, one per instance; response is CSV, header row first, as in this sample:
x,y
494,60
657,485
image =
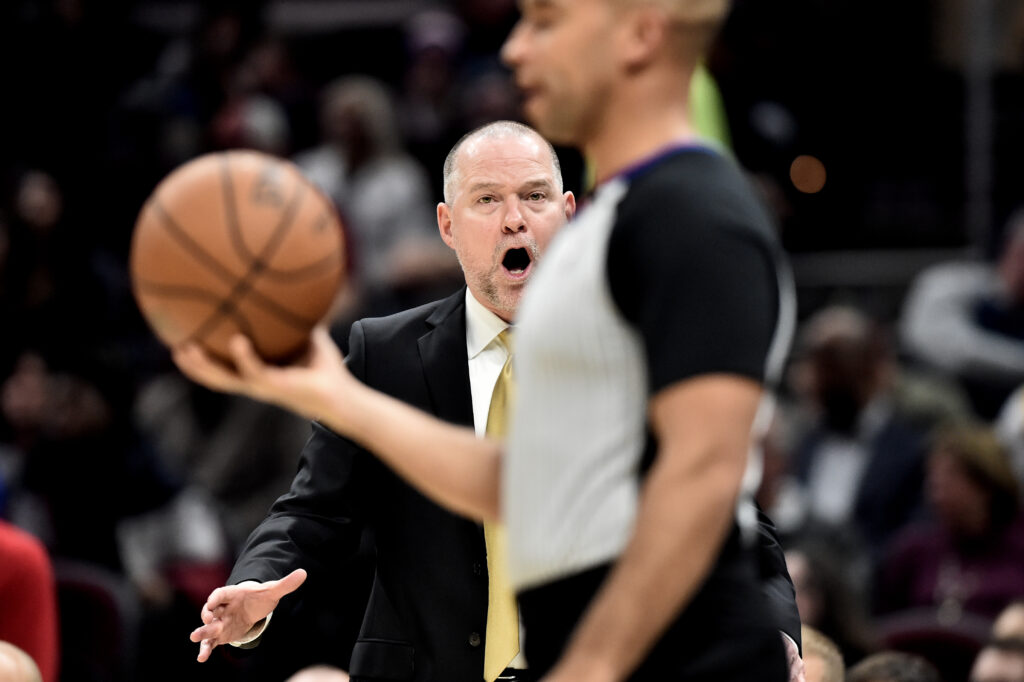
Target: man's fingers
x,y
287,584
205,649
210,631
248,363
321,336
198,366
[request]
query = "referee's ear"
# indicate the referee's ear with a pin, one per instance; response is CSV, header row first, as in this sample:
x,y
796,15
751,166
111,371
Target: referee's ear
x,y
570,205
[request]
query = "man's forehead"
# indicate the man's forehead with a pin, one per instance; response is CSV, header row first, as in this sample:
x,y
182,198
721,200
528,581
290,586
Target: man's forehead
x,y
511,181
509,144
488,155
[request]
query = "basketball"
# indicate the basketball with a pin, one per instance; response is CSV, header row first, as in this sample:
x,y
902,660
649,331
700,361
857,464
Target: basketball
x,y
237,241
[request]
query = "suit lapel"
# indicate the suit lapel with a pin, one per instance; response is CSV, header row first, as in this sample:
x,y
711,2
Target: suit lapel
x,y
445,361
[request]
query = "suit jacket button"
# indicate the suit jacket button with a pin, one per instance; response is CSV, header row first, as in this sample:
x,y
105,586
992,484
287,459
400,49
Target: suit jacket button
x,y
474,639
477,568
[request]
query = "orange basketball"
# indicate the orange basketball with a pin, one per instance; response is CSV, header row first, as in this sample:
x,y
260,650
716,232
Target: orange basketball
x,y
232,242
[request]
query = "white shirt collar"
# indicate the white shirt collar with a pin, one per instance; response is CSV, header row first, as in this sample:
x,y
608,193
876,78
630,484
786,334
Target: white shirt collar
x,y
482,326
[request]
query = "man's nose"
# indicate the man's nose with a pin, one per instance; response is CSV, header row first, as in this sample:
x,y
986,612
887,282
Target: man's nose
x,y
511,51
513,220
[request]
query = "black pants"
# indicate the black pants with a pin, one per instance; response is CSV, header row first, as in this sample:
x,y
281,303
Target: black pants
x,y
725,634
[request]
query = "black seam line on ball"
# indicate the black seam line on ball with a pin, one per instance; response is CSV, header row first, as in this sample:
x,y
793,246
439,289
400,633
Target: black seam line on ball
x,y
216,268
235,232
258,262
227,190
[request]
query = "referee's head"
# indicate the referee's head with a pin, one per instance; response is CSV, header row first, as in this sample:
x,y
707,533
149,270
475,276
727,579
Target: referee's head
x,y
587,67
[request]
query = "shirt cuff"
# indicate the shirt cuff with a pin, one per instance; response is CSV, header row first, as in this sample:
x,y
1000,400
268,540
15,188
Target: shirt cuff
x,y
795,645
248,640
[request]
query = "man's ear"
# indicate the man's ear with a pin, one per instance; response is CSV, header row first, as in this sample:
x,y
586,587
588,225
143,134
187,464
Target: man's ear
x,y
646,30
570,205
444,224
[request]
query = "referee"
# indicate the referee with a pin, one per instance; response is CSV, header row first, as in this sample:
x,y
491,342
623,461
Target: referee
x,y
644,345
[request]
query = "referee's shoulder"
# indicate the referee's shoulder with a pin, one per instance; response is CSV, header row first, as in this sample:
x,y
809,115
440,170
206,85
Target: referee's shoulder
x,y
704,189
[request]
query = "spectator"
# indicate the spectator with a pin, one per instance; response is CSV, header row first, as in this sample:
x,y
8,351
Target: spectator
x,y
16,665
236,452
383,194
1009,426
62,421
967,319
319,673
859,465
1010,622
828,602
428,101
822,660
970,559
893,666
1000,661
28,607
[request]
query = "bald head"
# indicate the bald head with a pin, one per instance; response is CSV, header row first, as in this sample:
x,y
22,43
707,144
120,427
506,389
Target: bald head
x,y
16,665
1010,623
822,660
492,131
319,673
1000,661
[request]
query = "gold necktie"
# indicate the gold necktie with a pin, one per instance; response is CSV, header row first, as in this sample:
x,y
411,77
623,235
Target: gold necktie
x,y
502,640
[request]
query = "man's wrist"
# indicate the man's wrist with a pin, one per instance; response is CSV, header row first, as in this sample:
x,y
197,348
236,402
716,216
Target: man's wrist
x,y
251,638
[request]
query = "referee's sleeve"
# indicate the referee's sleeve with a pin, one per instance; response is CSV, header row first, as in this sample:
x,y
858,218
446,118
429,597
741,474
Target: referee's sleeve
x,y
699,284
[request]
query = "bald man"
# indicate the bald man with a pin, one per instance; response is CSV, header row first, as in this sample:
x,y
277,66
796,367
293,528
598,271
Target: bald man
x,y
16,665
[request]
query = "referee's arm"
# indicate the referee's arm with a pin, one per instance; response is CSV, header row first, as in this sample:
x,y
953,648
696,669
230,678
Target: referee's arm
x,y
702,426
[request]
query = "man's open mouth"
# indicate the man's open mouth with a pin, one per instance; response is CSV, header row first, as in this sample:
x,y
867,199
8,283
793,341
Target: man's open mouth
x,y
517,262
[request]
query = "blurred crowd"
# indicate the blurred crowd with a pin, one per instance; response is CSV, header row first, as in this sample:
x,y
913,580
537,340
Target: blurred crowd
x,y
895,465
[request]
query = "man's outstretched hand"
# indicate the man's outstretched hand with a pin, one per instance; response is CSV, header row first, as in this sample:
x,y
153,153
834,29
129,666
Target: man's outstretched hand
x,y
231,611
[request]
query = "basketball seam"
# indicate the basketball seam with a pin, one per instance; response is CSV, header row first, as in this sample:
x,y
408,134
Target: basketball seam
x,y
190,245
245,285
227,189
218,269
178,290
321,266
234,229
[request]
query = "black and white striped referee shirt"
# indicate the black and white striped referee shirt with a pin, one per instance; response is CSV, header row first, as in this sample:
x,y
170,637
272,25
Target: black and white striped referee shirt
x,y
672,271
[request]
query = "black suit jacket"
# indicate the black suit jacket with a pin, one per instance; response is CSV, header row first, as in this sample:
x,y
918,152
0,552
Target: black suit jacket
x,y
427,610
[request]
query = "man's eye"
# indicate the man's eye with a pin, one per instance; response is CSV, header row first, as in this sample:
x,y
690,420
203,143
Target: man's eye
x,y
542,20
485,200
537,196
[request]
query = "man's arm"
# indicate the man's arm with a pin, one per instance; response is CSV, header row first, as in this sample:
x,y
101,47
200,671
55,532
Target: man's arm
x,y
777,587
231,611
687,504
776,584
448,463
